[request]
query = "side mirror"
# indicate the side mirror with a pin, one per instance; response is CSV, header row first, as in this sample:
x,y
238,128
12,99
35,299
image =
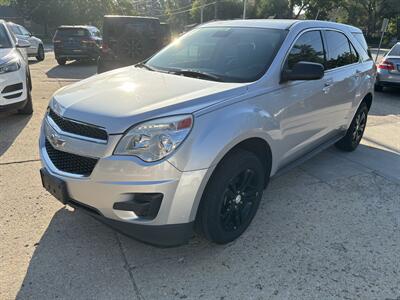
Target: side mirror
x,y
303,70
21,43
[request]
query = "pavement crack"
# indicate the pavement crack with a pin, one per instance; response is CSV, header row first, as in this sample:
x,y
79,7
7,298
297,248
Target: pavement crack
x,y
127,268
19,162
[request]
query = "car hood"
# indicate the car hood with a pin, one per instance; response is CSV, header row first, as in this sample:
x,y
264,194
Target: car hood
x,y
118,99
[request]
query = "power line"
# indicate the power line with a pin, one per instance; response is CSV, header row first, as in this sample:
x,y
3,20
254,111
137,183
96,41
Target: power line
x,y
187,10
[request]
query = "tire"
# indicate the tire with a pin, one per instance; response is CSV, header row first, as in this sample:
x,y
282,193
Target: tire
x,y
224,212
61,61
356,130
28,108
40,54
378,88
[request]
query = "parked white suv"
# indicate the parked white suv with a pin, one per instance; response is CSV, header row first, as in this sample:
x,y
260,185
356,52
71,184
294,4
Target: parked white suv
x,y
15,79
189,139
36,48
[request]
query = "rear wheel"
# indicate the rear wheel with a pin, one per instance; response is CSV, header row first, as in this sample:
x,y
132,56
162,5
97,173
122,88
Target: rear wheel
x,y
231,198
61,61
40,54
356,130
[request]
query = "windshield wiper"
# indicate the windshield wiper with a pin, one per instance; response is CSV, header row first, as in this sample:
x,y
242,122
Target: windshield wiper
x,y
143,65
197,74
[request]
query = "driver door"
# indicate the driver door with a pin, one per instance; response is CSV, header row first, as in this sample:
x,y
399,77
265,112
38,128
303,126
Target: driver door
x,y
304,105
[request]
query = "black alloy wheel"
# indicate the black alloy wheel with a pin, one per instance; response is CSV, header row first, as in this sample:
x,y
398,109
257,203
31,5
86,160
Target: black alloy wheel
x,y
356,130
231,197
238,200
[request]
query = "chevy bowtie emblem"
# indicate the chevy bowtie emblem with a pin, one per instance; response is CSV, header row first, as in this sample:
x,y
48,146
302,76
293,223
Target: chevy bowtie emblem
x,y
56,140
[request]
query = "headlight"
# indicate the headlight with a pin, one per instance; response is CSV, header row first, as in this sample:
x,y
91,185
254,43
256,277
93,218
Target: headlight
x,y
155,139
10,66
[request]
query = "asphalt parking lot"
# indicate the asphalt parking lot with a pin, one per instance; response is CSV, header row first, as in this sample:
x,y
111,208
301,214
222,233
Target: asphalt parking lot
x,y
329,229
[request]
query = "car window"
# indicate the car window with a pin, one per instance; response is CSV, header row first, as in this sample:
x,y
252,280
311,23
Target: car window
x,y
24,31
15,29
71,32
366,55
4,39
96,33
395,51
308,47
234,54
339,51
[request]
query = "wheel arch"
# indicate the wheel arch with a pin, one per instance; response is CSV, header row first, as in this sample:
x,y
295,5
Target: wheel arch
x,y
368,100
257,145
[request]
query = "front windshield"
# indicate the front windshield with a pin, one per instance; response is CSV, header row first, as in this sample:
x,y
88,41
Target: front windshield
x,y
232,54
4,39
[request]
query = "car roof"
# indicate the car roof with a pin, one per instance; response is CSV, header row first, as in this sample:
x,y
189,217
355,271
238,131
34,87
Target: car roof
x,y
285,24
77,26
130,17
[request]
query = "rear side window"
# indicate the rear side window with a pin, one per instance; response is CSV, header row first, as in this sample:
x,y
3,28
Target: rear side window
x,y
308,47
366,55
340,50
72,32
395,50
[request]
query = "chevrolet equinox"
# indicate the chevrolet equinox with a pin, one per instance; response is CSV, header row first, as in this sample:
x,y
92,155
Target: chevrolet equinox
x,y
187,140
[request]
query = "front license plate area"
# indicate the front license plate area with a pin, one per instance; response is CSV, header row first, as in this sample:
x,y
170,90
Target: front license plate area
x,y
54,186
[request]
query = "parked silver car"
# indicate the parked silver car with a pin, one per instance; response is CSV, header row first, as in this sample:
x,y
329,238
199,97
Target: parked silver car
x,y
389,69
190,138
36,48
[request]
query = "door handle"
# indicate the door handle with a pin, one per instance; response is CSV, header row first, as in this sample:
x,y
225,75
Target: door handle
x,y
327,86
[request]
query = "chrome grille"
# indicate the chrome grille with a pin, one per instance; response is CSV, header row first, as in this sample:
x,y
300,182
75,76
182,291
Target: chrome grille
x,y
78,128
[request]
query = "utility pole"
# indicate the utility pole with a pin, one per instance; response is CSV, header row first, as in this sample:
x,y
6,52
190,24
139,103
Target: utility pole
x,y
244,9
216,9
201,12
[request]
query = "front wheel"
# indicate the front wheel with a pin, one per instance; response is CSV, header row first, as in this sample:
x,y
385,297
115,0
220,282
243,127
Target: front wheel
x,y
231,198
356,130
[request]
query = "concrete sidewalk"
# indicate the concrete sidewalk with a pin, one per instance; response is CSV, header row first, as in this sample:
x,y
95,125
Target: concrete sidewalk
x,y
329,229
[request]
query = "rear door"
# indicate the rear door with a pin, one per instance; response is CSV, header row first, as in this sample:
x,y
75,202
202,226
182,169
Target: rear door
x,y
343,76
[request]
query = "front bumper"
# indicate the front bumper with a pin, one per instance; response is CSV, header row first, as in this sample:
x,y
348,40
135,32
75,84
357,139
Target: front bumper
x,y
13,92
116,178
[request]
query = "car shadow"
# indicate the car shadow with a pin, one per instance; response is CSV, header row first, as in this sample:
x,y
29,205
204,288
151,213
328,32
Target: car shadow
x,y
386,102
11,125
78,257
73,70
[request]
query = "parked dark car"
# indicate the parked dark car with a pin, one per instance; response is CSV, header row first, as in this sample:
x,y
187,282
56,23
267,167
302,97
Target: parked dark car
x,y
128,40
76,43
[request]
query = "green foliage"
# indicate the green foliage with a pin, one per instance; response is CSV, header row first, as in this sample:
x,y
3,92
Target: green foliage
x,y
366,14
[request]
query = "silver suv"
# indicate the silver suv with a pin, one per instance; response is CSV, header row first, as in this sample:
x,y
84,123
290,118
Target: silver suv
x,y
188,140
